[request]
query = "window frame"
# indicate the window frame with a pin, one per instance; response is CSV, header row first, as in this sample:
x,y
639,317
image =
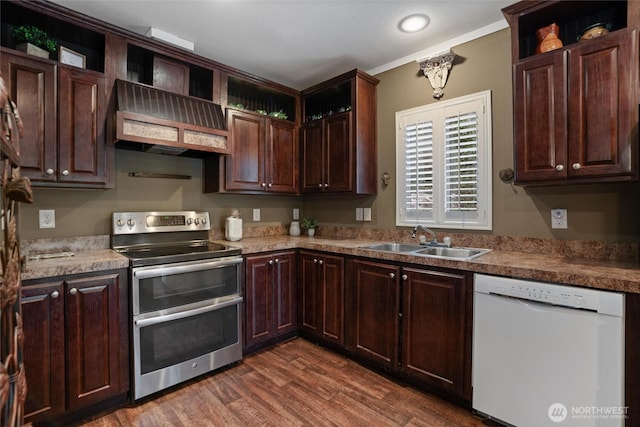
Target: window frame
x,y
437,113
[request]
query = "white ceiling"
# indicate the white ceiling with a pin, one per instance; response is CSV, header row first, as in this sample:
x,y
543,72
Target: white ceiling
x,y
299,43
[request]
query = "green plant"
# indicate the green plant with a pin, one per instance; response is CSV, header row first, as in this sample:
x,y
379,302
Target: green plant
x,y
309,223
35,36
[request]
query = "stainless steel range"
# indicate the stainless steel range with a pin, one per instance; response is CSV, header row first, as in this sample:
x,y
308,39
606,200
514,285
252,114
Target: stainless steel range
x,y
186,297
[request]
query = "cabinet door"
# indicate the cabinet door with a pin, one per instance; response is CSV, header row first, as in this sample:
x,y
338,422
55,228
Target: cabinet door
x,y
376,297
540,118
43,350
93,340
433,338
284,288
281,160
82,145
258,299
312,158
332,298
245,165
338,153
603,106
32,86
309,308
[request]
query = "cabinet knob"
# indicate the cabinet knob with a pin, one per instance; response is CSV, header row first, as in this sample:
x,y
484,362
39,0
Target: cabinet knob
x,y
49,171
326,185
270,262
315,260
575,166
320,262
405,277
65,172
392,275
277,260
270,185
320,185
559,168
263,185
73,291
55,294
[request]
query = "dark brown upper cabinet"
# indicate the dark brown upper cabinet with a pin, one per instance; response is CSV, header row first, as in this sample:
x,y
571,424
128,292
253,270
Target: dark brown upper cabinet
x,y
338,142
575,108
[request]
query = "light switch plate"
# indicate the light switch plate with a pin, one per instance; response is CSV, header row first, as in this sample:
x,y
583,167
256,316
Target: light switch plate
x,y
359,214
367,214
559,218
47,218
256,214
296,214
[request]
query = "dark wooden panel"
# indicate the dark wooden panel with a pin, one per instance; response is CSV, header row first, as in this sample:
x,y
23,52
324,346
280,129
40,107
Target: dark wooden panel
x,y
312,158
32,86
339,160
43,351
281,162
540,127
245,167
170,75
258,301
377,299
333,299
309,309
93,343
433,339
285,286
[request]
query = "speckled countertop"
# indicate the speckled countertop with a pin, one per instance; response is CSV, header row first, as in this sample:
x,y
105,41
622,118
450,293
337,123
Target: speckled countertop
x,y
611,275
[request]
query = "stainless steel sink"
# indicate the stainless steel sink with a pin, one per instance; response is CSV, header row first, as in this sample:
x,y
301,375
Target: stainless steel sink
x,y
458,254
394,247
452,253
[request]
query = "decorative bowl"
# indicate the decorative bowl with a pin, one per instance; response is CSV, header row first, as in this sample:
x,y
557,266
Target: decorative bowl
x,y
594,30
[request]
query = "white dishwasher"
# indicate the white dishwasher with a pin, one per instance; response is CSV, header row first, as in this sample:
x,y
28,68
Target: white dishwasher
x,y
547,354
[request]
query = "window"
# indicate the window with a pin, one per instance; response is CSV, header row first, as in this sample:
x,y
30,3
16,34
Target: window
x,y
443,164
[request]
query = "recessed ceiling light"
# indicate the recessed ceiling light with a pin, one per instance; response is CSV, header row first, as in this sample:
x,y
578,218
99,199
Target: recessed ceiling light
x,y
413,23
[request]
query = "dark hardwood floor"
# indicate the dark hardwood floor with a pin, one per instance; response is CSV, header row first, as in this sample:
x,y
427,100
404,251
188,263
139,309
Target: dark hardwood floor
x,y
295,383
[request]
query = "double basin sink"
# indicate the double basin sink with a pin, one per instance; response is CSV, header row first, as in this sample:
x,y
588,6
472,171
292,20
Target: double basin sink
x,y
457,254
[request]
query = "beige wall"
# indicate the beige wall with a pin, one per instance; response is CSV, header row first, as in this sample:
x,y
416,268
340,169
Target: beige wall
x,y
596,212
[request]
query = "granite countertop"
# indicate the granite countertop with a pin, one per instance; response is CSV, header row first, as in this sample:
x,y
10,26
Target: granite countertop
x,y
608,275
80,262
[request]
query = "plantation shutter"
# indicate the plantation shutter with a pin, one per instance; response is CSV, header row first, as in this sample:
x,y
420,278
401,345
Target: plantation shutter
x,y
461,162
419,167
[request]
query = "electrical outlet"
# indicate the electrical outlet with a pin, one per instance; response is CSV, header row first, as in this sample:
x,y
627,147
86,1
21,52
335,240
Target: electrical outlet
x,y
296,214
367,214
47,218
558,218
359,214
256,214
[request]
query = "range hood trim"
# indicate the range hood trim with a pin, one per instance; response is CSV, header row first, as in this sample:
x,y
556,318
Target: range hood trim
x,y
123,116
135,120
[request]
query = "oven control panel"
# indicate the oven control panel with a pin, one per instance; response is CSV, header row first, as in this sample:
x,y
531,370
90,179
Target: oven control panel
x,y
155,222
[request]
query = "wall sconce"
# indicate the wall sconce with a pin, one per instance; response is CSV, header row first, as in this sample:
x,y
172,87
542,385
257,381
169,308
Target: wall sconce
x,y
436,69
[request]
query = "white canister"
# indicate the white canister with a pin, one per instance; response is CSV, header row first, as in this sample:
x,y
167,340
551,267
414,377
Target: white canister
x,y
294,228
233,229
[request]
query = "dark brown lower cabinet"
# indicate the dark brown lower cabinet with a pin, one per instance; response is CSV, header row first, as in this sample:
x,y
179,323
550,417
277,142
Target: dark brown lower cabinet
x,y
76,343
435,329
412,322
376,312
321,296
269,298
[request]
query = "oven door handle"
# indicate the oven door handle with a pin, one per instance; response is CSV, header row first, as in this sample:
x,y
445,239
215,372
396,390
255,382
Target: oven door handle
x,y
166,270
141,323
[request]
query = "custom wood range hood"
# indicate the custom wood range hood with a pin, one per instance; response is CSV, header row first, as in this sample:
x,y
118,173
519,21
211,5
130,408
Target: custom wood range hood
x,y
157,121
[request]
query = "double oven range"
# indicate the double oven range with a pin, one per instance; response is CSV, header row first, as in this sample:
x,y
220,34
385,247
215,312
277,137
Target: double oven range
x,y
185,295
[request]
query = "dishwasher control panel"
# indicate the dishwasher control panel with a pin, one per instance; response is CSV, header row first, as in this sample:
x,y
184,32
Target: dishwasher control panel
x,y
547,293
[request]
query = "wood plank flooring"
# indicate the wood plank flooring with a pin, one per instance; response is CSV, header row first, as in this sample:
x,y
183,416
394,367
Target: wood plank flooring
x,y
296,383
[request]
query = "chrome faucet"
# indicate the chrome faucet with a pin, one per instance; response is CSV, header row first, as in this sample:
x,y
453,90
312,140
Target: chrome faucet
x,y
433,241
426,230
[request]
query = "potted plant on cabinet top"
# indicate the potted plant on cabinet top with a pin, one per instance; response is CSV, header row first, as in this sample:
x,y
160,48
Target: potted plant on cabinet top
x,y
34,41
310,225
